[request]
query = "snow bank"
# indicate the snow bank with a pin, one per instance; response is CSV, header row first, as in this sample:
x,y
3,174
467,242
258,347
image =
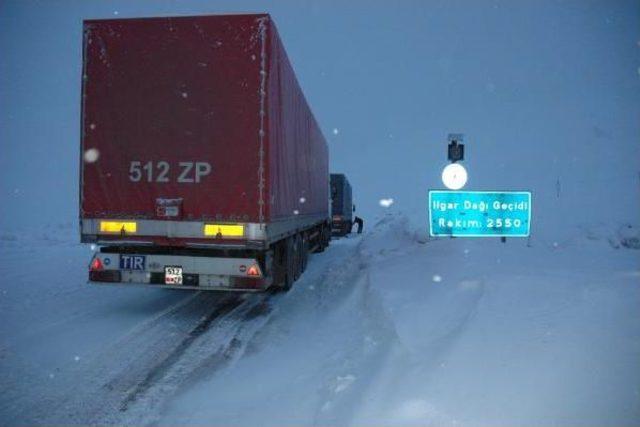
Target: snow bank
x,y
509,335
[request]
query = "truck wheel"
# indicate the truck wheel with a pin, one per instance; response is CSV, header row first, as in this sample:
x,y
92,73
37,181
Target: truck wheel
x,y
286,265
283,260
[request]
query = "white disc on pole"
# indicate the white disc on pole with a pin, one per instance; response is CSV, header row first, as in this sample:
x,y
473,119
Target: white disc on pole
x,y
454,176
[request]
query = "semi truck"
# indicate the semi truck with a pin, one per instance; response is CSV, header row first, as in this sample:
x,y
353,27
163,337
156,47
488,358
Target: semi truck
x,y
202,165
342,206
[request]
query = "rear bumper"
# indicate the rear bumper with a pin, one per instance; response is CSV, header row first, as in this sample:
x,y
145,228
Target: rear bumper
x,y
203,273
193,288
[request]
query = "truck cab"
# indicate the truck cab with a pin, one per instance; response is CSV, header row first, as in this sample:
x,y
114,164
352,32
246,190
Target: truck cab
x,y
342,207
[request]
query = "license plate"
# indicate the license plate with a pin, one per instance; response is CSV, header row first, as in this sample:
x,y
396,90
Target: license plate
x,y
132,262
173,275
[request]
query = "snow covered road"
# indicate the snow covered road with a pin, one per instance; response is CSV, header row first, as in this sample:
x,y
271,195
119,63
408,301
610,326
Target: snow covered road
x,y
73,353
386,329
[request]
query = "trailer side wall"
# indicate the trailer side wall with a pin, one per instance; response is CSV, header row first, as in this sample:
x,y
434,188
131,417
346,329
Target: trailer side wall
x,y
298,155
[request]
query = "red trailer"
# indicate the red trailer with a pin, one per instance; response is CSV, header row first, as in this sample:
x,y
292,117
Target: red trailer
x,y
202,165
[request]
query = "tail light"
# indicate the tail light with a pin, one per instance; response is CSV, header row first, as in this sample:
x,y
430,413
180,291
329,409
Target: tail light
x,y
96,265
253,271
97,273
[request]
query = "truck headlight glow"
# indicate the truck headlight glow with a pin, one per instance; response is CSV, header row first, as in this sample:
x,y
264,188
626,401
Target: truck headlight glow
x,y
118,227
224,230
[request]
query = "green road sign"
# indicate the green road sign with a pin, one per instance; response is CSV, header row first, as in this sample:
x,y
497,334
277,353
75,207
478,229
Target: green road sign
x,y
479,213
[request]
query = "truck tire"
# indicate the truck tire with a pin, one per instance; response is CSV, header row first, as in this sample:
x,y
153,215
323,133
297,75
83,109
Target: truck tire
x,y
283,266
287,265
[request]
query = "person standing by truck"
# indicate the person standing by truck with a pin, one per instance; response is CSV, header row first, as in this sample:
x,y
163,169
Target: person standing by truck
x,y
357,220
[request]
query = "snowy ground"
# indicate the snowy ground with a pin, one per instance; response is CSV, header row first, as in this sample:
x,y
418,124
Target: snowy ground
x,y
385,329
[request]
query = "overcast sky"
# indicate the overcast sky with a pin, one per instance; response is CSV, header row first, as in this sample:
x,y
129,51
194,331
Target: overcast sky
x,y
547,94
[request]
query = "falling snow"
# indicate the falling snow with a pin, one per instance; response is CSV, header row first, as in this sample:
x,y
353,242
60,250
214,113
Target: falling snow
x,y
91,155
385,203
369,334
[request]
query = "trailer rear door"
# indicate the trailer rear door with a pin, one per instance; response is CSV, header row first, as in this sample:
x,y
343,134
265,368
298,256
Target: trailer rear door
x,y
171,118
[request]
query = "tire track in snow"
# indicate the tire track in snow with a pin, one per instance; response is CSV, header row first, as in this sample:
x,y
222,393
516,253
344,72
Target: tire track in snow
x,y
129,366
134,377
160,369
195,338
214,344
326,287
